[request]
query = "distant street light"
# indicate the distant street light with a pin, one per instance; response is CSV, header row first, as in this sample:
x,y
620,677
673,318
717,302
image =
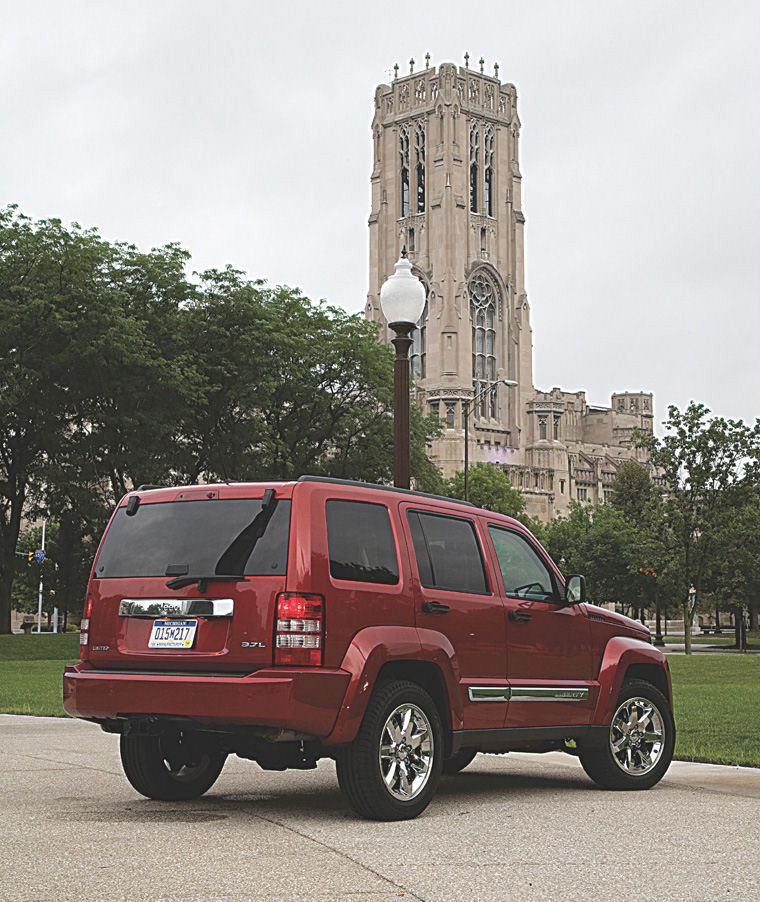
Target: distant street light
x,y
466,410
402,299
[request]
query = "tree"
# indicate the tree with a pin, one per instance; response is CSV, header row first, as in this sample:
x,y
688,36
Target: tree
x,y
489,488
116,370
288,387
597,542
707,465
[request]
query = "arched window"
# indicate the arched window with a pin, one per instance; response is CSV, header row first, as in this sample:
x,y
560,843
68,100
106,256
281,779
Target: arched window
x,y
483,294
418,354
419,145
474,152
488,164
404,154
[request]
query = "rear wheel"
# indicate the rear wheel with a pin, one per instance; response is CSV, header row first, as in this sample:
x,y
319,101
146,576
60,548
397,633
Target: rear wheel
x,y
391,770
638,747
172,766
459,761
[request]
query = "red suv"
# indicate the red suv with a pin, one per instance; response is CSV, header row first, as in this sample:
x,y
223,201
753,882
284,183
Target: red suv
x,y
397,632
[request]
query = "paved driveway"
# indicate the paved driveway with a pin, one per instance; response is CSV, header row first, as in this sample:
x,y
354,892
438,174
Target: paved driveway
x,y
514,826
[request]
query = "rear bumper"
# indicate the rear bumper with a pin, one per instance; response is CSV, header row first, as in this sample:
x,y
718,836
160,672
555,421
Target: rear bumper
x,y
307,701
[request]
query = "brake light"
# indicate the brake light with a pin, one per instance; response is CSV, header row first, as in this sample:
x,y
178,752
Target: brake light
x,y
299,629
84,628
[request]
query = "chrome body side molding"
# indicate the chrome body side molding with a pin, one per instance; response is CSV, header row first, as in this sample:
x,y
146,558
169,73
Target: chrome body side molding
x,y
527,693
489,693
176,607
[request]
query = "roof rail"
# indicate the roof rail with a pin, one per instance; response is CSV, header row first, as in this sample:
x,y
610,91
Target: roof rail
x,y
386,488
146,487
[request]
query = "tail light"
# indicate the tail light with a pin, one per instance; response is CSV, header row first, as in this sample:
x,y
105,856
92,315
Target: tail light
x,y
299,630
84,628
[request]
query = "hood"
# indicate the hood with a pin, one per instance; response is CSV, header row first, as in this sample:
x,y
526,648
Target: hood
x,y
623,625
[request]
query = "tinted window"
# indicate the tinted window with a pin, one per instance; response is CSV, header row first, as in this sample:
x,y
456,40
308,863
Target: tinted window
x,y
199,534
524,573
447,552
360,542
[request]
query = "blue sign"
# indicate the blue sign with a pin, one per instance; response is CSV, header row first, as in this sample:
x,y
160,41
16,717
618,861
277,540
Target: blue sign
x,y
39,556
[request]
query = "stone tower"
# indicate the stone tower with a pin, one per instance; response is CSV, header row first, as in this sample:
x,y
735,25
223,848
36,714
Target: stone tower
x,y
446,183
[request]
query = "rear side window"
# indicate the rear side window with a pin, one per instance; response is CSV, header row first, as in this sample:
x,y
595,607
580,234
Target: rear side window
x,y
448,554
525,575
208,537
360,542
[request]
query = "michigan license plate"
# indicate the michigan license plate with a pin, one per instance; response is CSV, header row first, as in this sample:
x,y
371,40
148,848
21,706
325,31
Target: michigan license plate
x,y
173,634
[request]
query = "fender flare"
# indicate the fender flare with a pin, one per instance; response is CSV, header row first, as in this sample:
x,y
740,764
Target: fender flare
x,y
375,646
619,654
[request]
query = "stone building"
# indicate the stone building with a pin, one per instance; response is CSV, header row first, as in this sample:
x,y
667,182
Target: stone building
x,y
446,183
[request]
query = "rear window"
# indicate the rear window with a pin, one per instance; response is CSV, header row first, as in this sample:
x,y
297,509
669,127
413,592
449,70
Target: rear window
x,y
360,542
199,534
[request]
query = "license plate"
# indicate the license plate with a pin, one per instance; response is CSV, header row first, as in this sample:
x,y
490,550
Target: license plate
x,y
173,634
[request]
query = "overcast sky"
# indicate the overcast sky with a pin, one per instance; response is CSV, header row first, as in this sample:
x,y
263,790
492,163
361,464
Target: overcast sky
x,y
241,130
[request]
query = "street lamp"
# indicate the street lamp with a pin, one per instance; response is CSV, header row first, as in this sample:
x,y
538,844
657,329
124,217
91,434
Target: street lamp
x,y
402,299
466,409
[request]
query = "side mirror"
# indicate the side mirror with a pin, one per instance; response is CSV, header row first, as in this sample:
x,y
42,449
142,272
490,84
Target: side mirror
x,y
575,589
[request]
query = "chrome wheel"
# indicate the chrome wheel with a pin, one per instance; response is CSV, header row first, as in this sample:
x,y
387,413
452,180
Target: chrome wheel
x,y
637,736
406,752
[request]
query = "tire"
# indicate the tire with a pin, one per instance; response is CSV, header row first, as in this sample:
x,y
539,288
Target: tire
x,y
391,771
459,761
629,758
173,766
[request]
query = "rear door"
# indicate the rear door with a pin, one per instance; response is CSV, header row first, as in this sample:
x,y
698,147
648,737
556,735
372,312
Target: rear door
x,y
548,641
456,597
139,622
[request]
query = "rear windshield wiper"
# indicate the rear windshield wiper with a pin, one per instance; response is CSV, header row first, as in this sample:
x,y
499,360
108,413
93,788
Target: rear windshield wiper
x,y
180,582
241,548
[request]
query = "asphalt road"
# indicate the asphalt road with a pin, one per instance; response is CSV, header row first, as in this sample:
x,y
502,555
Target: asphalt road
x,y
517,826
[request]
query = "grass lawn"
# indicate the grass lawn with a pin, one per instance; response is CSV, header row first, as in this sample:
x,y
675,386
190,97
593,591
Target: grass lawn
x,y
717,697
716,701
31,668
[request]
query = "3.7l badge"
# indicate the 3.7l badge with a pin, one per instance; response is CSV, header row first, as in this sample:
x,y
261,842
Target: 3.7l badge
x,y
252,645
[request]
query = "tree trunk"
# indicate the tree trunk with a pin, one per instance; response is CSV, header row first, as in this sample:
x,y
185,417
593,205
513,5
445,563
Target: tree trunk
x,y
687,628
753,616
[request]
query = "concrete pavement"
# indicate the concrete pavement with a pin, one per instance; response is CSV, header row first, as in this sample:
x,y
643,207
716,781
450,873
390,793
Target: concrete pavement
x,y
517,826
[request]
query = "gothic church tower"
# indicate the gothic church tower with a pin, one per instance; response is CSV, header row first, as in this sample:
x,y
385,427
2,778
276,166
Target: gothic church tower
x,y
446,183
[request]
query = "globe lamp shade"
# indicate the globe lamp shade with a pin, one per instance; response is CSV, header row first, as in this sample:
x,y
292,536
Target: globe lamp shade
x,y
402,297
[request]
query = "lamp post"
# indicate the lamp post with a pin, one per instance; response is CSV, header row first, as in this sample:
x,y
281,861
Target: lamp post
x,y
466,409
402,299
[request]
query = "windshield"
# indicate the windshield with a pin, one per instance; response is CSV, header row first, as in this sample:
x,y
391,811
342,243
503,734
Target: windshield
x,y
192,533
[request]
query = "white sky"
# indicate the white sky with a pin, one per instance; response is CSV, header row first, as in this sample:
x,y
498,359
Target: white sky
x,y
241,130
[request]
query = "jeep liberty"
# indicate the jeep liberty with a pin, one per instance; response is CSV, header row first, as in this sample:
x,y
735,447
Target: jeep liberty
x,y
397,632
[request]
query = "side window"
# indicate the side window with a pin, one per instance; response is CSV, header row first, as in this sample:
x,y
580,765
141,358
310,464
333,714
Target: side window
x,y
360,542
525,575
448,554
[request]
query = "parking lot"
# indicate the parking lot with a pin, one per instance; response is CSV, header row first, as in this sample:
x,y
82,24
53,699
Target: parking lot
x,y
511,826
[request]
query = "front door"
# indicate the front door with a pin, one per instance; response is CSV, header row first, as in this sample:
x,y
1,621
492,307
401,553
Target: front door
x,y
548,641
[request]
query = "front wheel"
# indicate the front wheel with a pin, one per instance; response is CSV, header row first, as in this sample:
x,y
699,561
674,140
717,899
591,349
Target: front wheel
x,y
391,770
638,747
173,766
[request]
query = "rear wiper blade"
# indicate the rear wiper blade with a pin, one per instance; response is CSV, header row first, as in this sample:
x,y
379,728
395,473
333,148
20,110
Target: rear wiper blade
x,y
181,581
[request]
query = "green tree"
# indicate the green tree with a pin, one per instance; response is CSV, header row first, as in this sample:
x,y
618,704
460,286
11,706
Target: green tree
x,y
708,464
489,488
288,387
598,542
